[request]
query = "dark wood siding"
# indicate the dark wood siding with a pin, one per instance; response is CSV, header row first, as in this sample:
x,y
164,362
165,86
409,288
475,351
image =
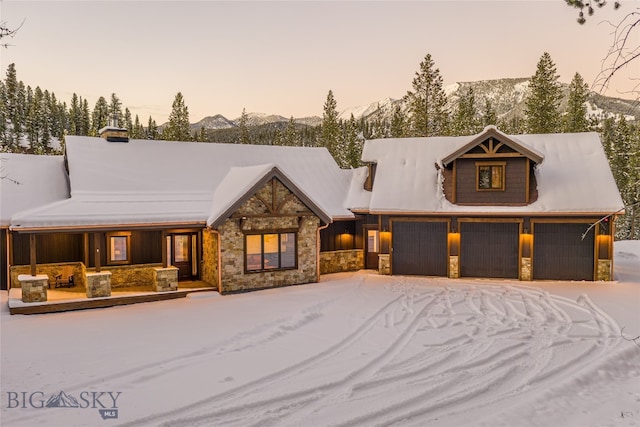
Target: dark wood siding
x,y
3,258
489,249
50,248
342,235
146,248
515,191
560,253
419,248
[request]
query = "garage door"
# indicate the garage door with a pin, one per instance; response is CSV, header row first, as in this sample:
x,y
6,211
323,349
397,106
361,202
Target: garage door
x,y
560,253
420,248
489,249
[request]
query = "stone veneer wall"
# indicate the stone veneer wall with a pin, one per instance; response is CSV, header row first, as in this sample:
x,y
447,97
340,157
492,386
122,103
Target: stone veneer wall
x,y
165,279
34,288
384,264
525,269
604,270
290,213
51,270
123,276
338,261
454,267
210,257
98,284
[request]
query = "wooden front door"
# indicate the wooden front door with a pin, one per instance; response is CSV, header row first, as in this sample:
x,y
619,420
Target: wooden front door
x,y
372,247
184,252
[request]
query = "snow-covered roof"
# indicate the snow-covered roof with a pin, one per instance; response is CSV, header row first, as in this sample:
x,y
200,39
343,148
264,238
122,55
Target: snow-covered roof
x,y
29,181
164,182
573,178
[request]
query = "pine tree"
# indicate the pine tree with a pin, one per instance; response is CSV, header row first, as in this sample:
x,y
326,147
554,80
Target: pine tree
x,y
243,126
85,120
128,121
399,125
290,135
466,120
427,102
178,128
202,136
138,130
489,115
14,108
575,119
152,129
352,145
75,116
115,112
330,127
3,117
542,105
100,116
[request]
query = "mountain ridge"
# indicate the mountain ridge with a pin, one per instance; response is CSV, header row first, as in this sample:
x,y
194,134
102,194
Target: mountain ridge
x,y
507,96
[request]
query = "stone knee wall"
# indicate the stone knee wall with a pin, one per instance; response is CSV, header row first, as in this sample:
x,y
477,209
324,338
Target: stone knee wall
x,y
50,270
123,276
210,257
338,261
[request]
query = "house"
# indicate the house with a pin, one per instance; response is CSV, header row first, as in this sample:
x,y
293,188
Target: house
x,y
245,217
239,217
490,205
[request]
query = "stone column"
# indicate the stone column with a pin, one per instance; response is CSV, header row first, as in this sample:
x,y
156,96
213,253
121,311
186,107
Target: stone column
x,y
384,264
454,267
604,270
525,269
99,284
165,279
34,288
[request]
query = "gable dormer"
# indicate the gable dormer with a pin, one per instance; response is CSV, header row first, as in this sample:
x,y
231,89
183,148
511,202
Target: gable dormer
x,y
492,169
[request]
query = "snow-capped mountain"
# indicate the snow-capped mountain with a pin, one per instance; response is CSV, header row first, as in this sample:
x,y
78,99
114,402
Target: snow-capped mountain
x,y
507,97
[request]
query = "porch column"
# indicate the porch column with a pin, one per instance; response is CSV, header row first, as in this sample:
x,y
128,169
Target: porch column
x,y
85,249
165,261
96,239
32,253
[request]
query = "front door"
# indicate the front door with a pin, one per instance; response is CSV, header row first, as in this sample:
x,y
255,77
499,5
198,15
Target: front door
x,y
372,249
183,254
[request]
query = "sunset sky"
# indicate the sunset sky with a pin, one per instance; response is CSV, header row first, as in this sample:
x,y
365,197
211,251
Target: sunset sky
x,y
283,57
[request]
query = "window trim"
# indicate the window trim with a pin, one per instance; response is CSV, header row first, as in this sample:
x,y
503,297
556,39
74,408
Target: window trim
x,y
502,165
262,233
109,236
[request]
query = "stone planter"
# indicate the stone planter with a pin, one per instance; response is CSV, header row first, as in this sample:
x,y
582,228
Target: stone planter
x,y
34,288
165,279
99,284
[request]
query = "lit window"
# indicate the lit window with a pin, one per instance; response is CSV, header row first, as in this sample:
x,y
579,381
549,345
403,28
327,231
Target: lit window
x,y
270,251
118,248
490,176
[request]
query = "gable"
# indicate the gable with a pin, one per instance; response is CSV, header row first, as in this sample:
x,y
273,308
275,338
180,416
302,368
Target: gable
x,y
492,143
266,194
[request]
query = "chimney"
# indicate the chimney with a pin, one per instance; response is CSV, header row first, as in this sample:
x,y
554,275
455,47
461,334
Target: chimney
x,y
114,134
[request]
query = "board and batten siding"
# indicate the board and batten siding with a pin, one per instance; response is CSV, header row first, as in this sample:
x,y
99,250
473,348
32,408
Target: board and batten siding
x,y
463,188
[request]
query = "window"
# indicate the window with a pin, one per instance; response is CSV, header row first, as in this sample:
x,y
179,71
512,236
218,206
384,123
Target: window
x,y
490,176
270,251
118,248
372,241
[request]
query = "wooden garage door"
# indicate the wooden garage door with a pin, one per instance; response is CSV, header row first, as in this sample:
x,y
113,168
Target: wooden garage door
x,y
420,248
560,253
489,249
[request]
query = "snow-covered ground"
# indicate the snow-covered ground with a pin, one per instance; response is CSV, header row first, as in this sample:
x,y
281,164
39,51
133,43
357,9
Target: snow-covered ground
x,y
356,349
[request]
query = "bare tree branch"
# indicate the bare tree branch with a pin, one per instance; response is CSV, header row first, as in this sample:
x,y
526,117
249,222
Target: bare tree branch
x,y
5,31
604,218
623,50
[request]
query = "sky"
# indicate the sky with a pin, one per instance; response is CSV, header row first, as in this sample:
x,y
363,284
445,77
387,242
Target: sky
x,y
283,57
